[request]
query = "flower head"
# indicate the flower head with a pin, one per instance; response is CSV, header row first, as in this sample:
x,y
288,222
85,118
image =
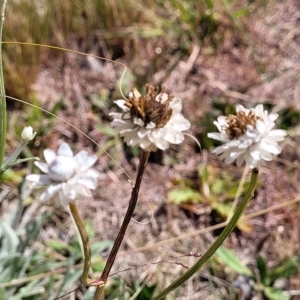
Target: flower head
x,y
248,136
151,121
28,134
67,177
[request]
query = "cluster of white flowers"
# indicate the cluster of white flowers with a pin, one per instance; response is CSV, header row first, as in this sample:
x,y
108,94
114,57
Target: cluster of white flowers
x,y
151,121
68,177
248,136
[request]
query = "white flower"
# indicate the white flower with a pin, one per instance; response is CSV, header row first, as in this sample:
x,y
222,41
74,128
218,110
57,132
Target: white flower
x,y
151,121
248,136
67,177
27,133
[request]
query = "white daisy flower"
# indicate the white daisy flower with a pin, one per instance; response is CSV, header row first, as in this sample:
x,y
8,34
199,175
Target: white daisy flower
x,y
248,136
151,121
68,177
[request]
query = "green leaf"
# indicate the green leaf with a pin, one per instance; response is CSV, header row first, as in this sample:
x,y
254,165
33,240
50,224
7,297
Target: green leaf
x,y
11,176
286,268
58,245
19,161
209,4
101,246
2,293
274,294
183,195
98,267
217,186
240,13
263,271
229,258
31,289
10,241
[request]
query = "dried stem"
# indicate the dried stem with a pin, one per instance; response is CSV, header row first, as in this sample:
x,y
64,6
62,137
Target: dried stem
x,y
132,203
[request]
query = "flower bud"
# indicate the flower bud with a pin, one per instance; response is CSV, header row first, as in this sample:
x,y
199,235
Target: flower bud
x,y
27,133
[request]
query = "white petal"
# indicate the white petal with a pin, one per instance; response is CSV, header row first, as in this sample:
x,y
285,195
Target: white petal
x,y
151,125
121,103
218,136
62,168
49,192
272,148
65,150
260,126
143,132
49,155
42,166
163,97
39,179
69,191
176,105
277,135
245,144
84,161
179,123
272,117
219,150
251,161
84,192
255,153
266,155
63,200
145,143
241,108
139,122
240,160
89,182
233,143
173,137
259,110
228,159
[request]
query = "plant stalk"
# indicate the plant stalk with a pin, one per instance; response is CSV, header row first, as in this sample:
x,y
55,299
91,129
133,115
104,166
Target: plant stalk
x,y
85,242
2,93
218,242
132,203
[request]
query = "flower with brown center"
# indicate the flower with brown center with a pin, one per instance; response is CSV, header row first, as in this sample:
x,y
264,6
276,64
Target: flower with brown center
x,y
151,121
248,136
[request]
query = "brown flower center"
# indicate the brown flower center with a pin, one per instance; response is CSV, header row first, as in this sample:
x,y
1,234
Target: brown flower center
x,y
237,124
148,108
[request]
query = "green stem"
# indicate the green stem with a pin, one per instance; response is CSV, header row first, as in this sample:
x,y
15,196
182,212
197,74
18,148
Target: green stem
x,y
2,94
219,241
85,242
13,157
132,203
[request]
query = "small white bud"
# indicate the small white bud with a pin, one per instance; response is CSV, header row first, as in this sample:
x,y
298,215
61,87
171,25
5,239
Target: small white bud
x,y
27,133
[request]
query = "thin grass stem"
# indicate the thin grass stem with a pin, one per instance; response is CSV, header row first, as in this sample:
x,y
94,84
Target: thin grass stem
x,y
218,242
2,93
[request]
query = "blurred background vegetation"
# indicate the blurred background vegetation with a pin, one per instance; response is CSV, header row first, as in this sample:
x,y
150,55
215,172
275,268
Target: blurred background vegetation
x,y
212,53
